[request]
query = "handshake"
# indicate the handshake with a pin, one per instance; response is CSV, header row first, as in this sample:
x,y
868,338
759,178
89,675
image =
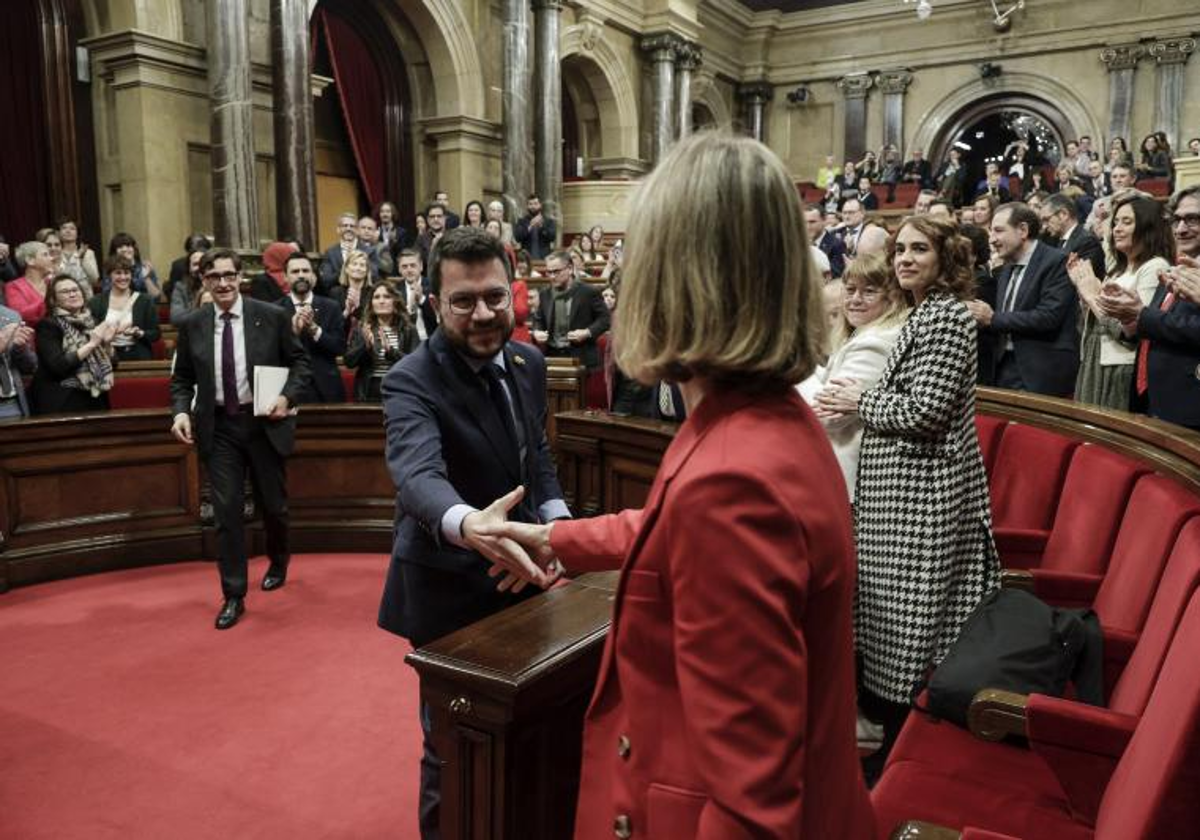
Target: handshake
x,y
520,553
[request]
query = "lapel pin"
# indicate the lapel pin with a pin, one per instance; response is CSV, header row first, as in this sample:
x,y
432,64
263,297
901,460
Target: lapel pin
x,y
519,361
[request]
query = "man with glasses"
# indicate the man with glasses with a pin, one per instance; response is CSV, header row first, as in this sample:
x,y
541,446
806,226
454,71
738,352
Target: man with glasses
x,y
572,312
465,421
212,398
335,257
1061,228
1167,367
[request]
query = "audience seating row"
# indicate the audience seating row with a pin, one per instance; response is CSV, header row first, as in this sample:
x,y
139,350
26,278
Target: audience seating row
x,y
1088,526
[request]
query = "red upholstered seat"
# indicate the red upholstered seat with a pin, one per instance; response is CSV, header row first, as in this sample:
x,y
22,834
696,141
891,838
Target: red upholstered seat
x,y
140,392
348,383
1025,483
990,429
1155,186
1152,792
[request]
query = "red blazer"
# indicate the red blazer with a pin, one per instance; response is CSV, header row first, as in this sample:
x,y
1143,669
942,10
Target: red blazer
x,y
725,707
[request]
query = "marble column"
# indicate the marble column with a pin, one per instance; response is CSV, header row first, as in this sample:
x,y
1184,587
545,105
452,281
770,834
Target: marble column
x,y
235,199
893,84
661,49
854,89
754,97
1171,56
518,159
295,162
1121,61
548,119
687,61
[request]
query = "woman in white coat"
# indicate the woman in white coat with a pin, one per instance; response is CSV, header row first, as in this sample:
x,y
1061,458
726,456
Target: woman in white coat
x,y
873,309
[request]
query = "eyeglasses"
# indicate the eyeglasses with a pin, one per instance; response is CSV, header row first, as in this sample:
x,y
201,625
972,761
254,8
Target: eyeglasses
x,y
866,292
1192,220
464,303
218,276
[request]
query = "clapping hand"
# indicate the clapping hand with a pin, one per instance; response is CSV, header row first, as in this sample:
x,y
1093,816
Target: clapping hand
x,y
488,532
1184,279
838,398
1120,304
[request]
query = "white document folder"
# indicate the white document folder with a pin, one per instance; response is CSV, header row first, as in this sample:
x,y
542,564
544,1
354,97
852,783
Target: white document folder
x,y
268,384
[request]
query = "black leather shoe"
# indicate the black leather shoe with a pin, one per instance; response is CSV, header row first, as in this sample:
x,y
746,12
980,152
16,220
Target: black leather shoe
x,y
274,579
230,613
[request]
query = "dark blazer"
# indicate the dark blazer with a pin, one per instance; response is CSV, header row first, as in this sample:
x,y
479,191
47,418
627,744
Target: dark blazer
x,y
1089,185
1173,366
835,249
1087,246
361,359
325,385
331,267
263,287
1042,323
145,317
269,341
537,241
53,366
587,311
446,446
21,360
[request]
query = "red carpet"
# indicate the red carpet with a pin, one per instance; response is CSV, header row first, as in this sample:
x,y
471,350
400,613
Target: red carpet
x,y
123,713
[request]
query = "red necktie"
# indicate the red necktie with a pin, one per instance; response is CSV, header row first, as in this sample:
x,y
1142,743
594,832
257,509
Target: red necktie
x,y
1143,361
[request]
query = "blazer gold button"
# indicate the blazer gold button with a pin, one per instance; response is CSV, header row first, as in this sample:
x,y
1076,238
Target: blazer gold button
x,y
622,827
623,746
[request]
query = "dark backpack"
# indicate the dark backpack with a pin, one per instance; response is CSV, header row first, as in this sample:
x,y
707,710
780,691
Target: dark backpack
x,y
1017,642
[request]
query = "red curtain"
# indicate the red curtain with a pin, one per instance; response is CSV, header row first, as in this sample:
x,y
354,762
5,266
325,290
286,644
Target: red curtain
x,y
360,91
23,160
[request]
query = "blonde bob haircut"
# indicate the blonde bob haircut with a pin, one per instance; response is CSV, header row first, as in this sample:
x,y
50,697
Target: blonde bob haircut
x,y
718,281
873,271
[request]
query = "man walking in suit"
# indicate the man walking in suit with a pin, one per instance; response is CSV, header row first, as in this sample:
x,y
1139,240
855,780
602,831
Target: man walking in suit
x,y
572,312
465,420
318,323
1059,215
1033,328
212,400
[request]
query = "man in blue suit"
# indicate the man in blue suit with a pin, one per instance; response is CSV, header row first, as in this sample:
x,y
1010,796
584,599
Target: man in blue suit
x,y
465,422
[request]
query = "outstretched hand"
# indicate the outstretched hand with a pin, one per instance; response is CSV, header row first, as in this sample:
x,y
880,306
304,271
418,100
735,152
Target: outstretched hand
x,y
485,532
543,567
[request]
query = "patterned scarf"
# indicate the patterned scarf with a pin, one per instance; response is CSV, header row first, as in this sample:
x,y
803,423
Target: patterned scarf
x,y
95,374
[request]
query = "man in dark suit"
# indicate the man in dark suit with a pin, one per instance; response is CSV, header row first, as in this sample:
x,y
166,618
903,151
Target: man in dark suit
x,y
829,242
1059,216
535,231
917,171
335,257
1167,369
465,421
212,384
1033,325
418,301
572,314
443,198
1098,183
435,218
318,323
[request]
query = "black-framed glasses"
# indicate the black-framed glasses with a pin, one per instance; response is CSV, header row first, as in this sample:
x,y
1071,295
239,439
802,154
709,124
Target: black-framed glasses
x,y
464,303
1192,220
218,276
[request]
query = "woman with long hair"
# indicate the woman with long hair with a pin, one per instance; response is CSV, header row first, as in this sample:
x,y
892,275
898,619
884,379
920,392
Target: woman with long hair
x,y
1142,246
926,556
353,288
76,254
1155,161
384,337
75,361
474,215
391,235
185,294
145,279
725,704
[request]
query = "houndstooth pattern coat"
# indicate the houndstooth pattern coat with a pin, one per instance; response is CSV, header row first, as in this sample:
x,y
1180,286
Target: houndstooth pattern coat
x,y
922,518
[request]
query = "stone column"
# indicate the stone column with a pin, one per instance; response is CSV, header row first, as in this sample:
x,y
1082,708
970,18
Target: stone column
x,y
235,200
548,121
518,116
854,89
687,61
295,164
661,49
1171,56
754,97
1121,61
893,84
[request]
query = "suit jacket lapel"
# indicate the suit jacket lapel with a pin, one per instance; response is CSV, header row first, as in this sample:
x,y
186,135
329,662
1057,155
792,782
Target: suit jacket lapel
x,y
1027,276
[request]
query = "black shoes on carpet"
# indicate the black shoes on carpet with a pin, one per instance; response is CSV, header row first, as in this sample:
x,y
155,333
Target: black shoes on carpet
x,y
230,612
274,579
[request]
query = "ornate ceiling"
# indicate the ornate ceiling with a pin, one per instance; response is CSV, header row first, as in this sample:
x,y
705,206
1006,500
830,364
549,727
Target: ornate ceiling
x,y
791,5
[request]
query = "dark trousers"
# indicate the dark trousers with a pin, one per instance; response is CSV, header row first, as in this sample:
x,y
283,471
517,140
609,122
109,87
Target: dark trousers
x,y
892,716
1008,374
240,442
429,801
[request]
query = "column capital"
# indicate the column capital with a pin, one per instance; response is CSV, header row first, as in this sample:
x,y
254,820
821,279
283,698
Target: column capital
x,y
1173,50
662,46
756,93
689,56
855,86
548,5
1122,56
894,81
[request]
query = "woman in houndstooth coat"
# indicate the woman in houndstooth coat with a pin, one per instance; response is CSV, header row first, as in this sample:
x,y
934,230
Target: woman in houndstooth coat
x,y
922,519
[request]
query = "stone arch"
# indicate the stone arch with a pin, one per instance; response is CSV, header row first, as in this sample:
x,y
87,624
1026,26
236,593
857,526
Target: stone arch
x,y
706,94
610,86
1061,106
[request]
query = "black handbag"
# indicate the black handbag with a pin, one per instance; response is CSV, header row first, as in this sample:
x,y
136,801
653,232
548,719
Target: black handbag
x,y
1017,642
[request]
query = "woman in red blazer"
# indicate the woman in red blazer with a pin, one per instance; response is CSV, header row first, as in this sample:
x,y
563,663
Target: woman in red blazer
x,y
724,706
